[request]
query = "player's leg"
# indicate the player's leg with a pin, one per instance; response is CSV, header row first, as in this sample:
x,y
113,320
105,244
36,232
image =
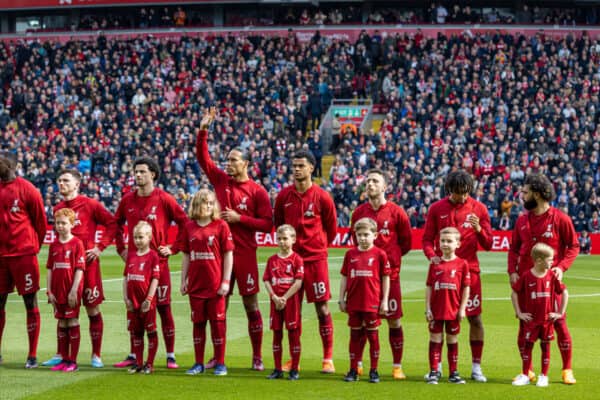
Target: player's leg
x,y
93,296
218,332
371,330
255,329
62,338
326,333
3,298
318,292
166,314
435,351
396,333
452,331
277,353
150,328
33,328
136,328
565,345
355,345
198,317
74,340
295,349
25,273
476,332
246,273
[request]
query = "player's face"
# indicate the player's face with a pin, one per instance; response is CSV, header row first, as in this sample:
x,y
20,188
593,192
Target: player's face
x,y
67,184
365,238
143,175
5,168
302,169
546,262
285,241
449,243
235,165
207,207
141,239
529,201
375,186
459,198
63,226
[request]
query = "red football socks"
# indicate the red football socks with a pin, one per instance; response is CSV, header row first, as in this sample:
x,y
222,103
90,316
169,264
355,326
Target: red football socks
x,y
357,340
33,330
63,342
545,346
397,344
152,347
326,332
168,327
527,350
255,331
277,339
96,332
74,342
138,347
452,356
218,330
373,337
199,334
295,347
435,355
476,351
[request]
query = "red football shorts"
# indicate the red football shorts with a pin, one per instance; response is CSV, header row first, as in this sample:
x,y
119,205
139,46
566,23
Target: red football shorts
x,y
394,301
63,311
316,281
20,271
534,331
290,315
475,299
212,309
359,319
93,292
138,321
163,291
452,327
245,273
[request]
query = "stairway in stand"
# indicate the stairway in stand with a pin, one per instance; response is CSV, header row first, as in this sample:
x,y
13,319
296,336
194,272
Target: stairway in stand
x,y
326,163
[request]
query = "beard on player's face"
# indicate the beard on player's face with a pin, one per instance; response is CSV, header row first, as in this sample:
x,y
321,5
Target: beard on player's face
x,y
530,204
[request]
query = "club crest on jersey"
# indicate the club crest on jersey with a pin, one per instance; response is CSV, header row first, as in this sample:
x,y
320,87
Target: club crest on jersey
x,y
310,212
15,207
467,224
385,229
152,215
548,233
243,205
142,266
77,220
288,268
371,259
67,253
452,273
211,240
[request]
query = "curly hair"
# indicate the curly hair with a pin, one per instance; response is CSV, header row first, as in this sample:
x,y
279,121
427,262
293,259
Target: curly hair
x,y
459,182
541,185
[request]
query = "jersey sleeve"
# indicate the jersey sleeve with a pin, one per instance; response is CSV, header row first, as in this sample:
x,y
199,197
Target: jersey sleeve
x,y
183,240
267,273
559,287
120,221
155,266
213,172
328,216
484,237
79,256
278,215
386,270
50,260
176,214
430,280
430,233
37,215
103,217
344,270
515,248
569,241
518,285
466,275
298,268
263,221
226,238
403,231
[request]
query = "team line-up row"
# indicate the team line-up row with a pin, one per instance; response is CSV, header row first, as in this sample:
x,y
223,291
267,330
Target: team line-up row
x,y
216,238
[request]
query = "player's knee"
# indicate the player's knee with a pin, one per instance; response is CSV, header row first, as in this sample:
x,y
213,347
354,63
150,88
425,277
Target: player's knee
x,y
394,323
250,303
92,311
30,301
476,322
322,309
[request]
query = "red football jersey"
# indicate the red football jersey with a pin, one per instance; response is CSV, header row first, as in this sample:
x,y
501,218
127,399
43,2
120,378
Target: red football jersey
x,y
444,213
22,218
64,259
312,214
206,246
90,213
139,272
540,294
447,280
281,272
248,198
159,210
394,235
364,271
553,228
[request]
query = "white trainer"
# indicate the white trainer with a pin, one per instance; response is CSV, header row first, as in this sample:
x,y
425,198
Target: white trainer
x,y
521,380
542,381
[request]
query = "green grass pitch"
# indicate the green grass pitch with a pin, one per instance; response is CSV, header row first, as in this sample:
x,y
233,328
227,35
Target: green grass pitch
x,y
500,358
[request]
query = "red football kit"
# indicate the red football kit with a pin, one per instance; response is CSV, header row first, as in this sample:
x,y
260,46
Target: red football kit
x,y
159,209
63,260
89,214
206,246
22,232
364,271
252,202
540,297
139,272
281,273
447,280
394,236
444,213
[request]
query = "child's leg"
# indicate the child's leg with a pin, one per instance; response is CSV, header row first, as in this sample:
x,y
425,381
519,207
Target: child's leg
x,y
521,339
152,347
435,350
199,334
63,339
138,346
396,338
527,350
373,337
564,342
452,344
277,339
356,344
218,330
295,347
545,347
74,339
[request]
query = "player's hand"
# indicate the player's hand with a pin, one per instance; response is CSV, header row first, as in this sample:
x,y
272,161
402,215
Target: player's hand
x,y
123,255
129,305
230,216
184,287
51,299
208,118
428,315
436,260
474,221
72,299
524,317
164,251
223,290
145,306
558,272
514,277
342,304
384,308
462,313
92,254
553,316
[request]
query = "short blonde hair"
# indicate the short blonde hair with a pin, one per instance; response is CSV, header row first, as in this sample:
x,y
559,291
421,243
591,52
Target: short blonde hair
x,y
366,223
143,227
541,250
286,228
66,213
450,230
200,197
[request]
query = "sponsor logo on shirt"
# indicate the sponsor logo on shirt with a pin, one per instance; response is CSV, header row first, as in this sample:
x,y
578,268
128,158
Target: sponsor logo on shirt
x,y
62,265
444,286
15,207
361,273
135,278
538,295
201,255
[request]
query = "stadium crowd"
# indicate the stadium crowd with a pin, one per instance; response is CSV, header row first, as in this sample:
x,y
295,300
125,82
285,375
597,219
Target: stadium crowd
x,y
498,105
